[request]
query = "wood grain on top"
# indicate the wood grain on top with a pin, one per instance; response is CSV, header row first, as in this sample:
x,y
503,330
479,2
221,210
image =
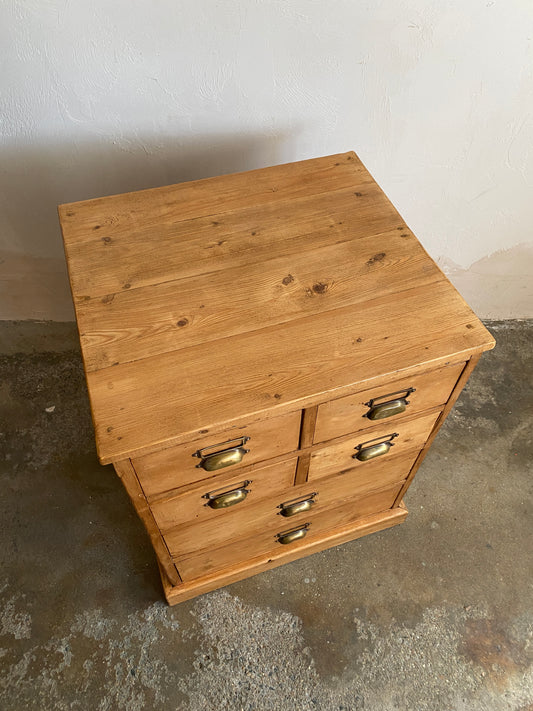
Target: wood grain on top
x,y
248,295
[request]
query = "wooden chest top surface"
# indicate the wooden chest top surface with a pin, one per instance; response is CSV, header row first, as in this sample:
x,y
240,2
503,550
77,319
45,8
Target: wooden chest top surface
x,y
246,295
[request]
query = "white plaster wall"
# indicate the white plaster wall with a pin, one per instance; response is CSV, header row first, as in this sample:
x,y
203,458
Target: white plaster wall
x,y
435,96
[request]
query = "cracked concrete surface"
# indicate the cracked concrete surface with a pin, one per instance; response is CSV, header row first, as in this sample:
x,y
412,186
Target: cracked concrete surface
x,y
433,615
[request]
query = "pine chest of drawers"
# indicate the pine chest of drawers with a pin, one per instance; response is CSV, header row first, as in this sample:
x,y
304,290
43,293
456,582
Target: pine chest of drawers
x,y
268,355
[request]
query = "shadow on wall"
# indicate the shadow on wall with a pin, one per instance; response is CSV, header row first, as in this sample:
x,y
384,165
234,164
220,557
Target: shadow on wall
x,y
34,180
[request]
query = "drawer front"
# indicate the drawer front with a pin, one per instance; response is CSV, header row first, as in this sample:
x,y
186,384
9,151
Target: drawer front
x,y
220,496
299,502
178,466
360,480
350,414
412,434
263,541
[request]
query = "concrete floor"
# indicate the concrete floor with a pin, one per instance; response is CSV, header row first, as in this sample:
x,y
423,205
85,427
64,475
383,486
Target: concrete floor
x,y
433,615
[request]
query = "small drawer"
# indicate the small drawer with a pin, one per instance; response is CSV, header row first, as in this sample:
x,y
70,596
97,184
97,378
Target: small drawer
x,y
396,438
267,539
391,402
191,462
359,481
220,496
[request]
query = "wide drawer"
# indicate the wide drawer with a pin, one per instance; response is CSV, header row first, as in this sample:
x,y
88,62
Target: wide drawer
x,y
265,540
393,401
222,495
199,459
293,503
396,439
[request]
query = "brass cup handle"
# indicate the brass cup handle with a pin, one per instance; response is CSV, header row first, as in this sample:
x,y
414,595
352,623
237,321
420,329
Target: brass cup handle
x,y
387,405
295,534
374,448
227,498
211,461
291,508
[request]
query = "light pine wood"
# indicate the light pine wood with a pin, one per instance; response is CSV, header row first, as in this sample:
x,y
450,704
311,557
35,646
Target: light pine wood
x,y
187,339
239,239
174,203
461,382
302,468
215,242
137,323
306,440
131,484
271,304
144,404
247,518
211,558
175,467
412,434
338,417
350,484
210,482
249,471
259,564
246,521
191,507
308,427
129,223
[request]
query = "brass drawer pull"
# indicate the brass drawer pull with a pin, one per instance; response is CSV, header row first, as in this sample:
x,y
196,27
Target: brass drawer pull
x,y
380,410
291,508
294,535
222,458
227,498
367,450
